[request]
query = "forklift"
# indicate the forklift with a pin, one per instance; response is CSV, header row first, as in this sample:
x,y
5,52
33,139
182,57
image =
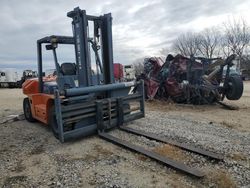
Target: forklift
x,y
77,102
27,74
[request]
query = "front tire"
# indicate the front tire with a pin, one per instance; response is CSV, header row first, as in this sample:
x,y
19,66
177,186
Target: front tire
x,y
27,110
235,87
53,122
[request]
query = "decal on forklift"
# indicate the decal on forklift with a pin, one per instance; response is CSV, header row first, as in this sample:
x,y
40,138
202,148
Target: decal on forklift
x,y
129,84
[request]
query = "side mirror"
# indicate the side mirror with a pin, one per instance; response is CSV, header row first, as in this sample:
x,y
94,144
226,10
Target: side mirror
x,y
51,46
43,74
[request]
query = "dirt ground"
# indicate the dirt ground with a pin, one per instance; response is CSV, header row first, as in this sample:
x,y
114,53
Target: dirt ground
x,y
30,156
236,119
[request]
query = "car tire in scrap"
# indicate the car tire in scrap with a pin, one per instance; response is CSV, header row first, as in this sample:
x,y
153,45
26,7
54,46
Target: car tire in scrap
x,y
235,87
27,110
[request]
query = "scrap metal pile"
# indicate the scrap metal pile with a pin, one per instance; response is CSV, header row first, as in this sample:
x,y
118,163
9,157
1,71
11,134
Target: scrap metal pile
x,y
193,80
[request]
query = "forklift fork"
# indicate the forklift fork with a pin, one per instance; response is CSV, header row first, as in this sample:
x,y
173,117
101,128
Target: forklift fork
x,y
103,128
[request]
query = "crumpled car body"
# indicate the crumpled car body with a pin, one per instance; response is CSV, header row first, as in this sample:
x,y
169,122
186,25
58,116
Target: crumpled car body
x,y
191,80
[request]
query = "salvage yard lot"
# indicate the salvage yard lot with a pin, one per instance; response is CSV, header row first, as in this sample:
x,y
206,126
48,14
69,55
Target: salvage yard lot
x,y
30,156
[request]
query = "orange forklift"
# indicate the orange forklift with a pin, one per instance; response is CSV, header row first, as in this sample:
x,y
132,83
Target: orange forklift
x,y
82,97
68,100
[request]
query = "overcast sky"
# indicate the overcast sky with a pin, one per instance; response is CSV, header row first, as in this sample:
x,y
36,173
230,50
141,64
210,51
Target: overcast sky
x,y
140,27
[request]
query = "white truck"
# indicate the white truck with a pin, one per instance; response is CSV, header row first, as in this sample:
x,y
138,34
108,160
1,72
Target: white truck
x,y
9,78
129,72
27,74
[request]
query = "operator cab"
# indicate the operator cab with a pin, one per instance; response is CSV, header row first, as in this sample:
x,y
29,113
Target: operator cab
x,y
70,74
66,69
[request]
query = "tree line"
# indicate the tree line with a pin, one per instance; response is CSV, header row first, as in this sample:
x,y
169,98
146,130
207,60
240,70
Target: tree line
x,y
233,37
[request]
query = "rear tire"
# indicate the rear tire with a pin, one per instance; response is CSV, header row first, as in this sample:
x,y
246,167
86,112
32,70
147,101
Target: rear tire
x,y
235,87
27,110
52,122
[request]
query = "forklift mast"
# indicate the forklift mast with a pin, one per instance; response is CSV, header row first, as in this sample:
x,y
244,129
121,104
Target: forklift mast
x,y
100,41
103,32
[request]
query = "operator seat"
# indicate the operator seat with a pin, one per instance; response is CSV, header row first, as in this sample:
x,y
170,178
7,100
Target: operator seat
x,y
68,69
67,79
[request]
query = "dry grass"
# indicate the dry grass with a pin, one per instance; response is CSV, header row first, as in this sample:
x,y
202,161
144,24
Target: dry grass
x,y
37,150
168,106
99,152
227,124
220,179
87,157
171,152
19,167
238,157
142,157
15,181
161,105
102,151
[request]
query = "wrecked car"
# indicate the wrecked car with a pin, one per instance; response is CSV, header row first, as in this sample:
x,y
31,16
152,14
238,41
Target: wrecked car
x,y
194,80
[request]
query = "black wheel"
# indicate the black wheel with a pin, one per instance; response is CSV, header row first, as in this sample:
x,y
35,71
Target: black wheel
x,y
18,84
234,87
53,123
27,110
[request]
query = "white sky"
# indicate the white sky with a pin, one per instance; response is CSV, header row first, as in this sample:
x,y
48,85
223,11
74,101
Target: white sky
x,y
140,28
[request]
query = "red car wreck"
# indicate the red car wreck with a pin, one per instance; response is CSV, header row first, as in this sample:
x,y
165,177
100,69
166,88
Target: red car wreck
x,y
193,80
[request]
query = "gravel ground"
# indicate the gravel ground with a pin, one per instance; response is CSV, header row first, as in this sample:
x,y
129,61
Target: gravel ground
x,y
234,145
32,157
11,102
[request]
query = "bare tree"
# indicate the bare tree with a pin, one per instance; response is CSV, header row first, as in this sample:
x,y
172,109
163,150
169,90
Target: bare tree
x,y
139,66
237,37
208,42
225,48
245,62
186,44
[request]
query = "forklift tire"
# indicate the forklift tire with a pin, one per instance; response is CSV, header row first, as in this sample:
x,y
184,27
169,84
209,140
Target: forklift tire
x,y
27,110
53,123
235,87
